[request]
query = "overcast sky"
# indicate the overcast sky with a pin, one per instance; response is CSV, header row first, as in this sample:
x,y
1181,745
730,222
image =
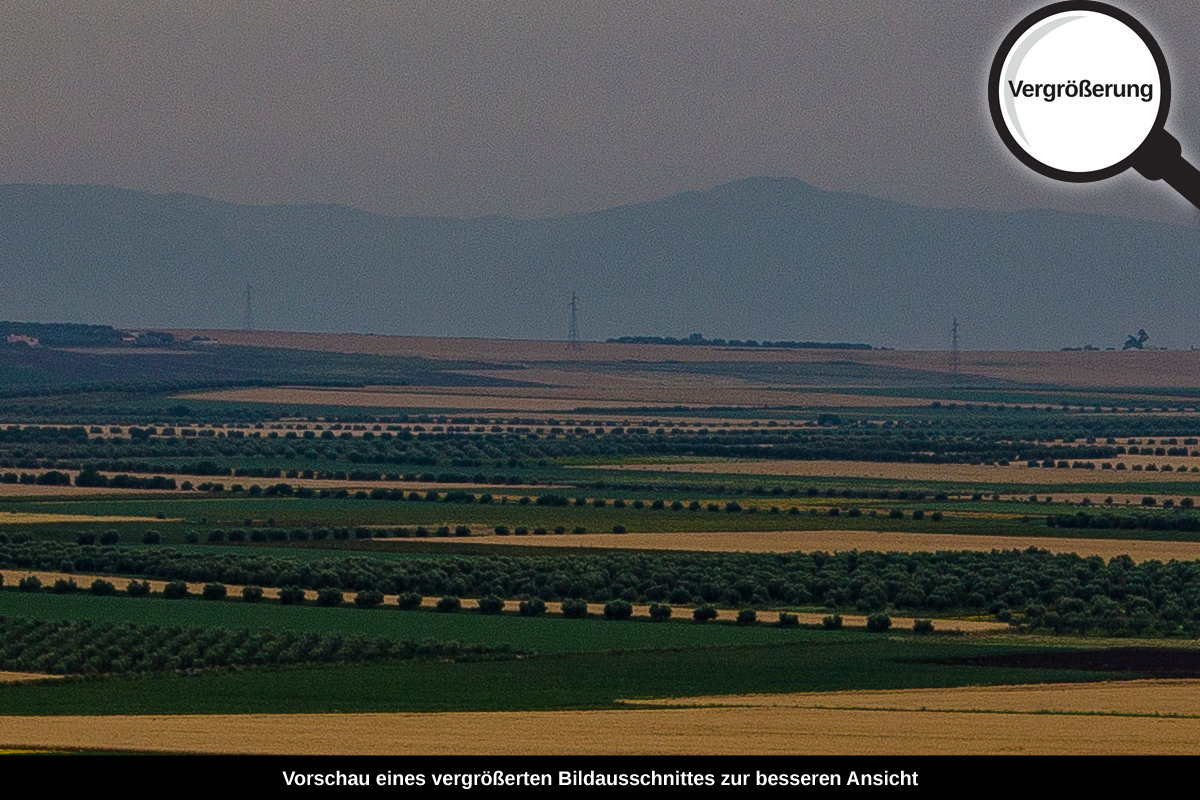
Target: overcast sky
x,y
533,109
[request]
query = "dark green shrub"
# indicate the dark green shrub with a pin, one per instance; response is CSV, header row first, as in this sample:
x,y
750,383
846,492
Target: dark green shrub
x,y
449,604
704,613
747,616
65,586
878,623
832,622
214,591
191,537
103,588
252,594
680,596
618,529
462,530
579,529
660,612
110,537
618,609
151,537
502,530
490,605
86,537
532,607
787,620
175,590
409,601
138,589
922,627
521,531
330,597
574,609
368,598
291,595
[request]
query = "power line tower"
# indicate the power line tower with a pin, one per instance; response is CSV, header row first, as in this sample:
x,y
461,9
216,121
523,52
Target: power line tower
x,y
954,351
573,342
248,322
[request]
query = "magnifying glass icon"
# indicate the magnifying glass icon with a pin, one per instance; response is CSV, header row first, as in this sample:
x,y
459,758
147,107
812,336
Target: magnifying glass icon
x,y
1079,91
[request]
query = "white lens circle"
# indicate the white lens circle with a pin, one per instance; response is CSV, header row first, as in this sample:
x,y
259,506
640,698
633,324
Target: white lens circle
x,y
1079,91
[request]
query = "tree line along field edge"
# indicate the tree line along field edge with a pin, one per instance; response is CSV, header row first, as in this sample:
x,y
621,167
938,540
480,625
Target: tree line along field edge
x,y
1031,588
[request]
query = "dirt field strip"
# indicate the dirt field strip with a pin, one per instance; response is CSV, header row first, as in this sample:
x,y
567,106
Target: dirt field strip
x,y
953,473
899,624
841,541
21,518
1174,698
53,492
469,398
1098,506
701,731
17,677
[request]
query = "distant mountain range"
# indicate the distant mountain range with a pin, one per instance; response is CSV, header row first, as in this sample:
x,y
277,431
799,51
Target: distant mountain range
x,y
761,258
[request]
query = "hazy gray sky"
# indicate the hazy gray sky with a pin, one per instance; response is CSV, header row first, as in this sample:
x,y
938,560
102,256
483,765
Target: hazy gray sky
x,y
533,109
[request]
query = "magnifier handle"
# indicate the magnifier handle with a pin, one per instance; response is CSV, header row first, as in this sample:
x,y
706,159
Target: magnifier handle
x,y
1161,158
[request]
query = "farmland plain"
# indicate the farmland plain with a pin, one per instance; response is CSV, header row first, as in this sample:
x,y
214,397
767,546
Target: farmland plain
x,y
610,499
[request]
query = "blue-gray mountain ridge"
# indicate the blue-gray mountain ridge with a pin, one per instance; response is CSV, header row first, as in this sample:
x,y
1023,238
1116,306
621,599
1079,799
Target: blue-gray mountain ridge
x,y
762,258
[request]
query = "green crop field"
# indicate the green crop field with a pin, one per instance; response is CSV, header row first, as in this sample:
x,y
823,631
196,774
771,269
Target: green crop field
x,y
567,681
541,634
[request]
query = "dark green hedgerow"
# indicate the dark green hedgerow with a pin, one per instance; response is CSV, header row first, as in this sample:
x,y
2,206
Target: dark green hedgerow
x,y
1034,588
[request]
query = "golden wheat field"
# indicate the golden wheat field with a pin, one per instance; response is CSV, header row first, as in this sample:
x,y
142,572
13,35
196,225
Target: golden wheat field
x,y
842,540
1167,698
758,730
